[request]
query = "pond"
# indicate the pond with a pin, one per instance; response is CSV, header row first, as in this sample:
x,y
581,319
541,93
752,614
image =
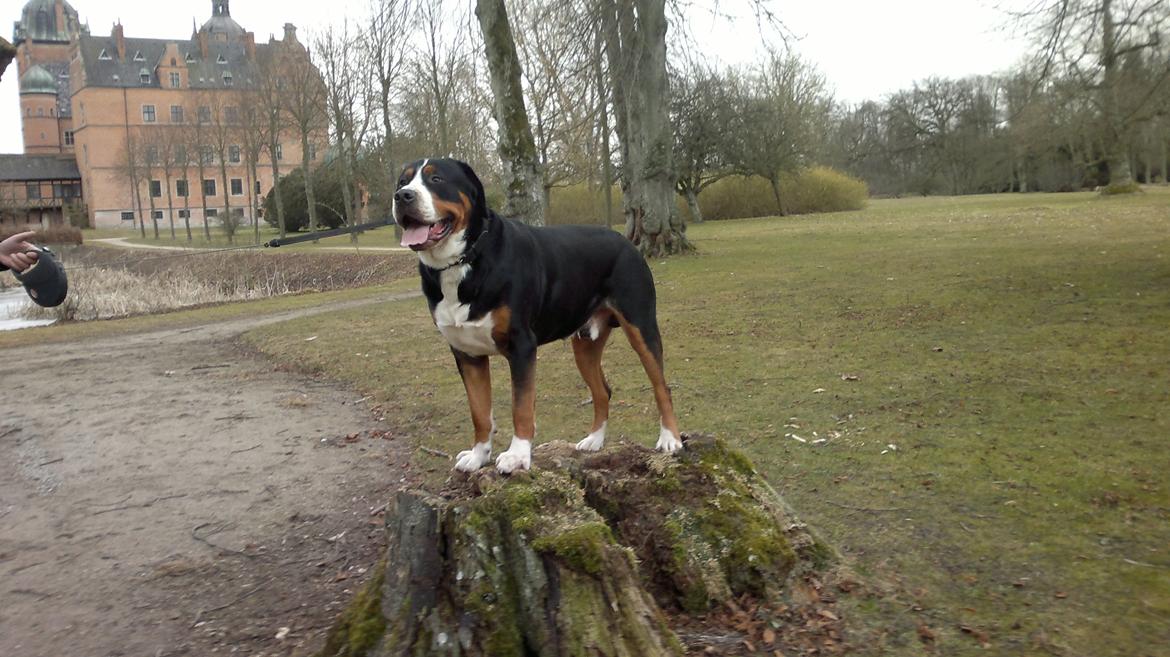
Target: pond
x,y
11,300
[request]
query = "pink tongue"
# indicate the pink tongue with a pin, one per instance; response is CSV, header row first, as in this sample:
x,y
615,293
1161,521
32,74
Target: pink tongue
x,y
415,235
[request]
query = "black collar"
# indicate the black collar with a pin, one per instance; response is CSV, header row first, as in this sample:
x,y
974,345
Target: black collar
x,y
471,253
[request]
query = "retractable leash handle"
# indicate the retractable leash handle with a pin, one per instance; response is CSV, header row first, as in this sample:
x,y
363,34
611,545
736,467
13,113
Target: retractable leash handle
x,y
45,280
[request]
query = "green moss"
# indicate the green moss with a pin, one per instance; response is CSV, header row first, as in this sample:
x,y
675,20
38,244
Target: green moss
x,y
719,455
361,625
503,637
582,546
754,553
1127,188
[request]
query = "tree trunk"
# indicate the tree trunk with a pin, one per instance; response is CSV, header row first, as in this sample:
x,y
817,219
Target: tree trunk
x,y
276,189
1165,138
652,220
693,205
522,177
580,556
228,222
203,197
603,117
1116,134
150,200
170,205
775,182
310,198
187,204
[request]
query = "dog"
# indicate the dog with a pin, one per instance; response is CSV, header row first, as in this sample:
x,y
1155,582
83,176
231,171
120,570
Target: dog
x,y
496,286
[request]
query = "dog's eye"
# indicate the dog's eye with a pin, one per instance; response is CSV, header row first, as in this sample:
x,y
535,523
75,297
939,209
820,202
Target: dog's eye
x,y
402,182
436,179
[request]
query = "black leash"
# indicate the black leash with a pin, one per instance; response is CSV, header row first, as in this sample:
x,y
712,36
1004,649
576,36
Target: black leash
x,y
321,234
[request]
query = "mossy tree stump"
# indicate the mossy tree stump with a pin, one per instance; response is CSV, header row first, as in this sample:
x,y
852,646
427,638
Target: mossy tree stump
x,y
586,554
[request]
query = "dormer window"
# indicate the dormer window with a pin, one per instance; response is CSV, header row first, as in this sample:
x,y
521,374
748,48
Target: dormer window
x,y
144,76
227,78
189,59
138,56
103,55
221,59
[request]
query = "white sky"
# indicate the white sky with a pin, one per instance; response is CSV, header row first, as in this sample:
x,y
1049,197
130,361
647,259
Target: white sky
x,y
865,48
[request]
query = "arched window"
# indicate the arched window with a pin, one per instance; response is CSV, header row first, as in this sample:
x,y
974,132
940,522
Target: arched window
x,y
42,22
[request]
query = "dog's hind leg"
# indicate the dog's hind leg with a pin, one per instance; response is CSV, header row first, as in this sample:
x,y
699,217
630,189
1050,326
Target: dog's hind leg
x,y
634,307
477,380
588,345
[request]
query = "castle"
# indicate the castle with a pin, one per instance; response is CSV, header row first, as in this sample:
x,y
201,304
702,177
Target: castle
x,y
137,130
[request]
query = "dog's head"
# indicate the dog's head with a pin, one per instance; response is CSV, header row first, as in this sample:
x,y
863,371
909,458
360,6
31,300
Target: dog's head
x,y
436,203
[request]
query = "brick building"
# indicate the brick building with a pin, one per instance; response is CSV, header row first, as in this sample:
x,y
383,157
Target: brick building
x,y
157,128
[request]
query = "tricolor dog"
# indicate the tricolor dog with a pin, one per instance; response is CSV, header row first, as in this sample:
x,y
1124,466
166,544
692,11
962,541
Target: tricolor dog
x,y
496,286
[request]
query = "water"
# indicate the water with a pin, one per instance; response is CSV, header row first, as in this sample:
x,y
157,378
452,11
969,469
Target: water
x,y
10,302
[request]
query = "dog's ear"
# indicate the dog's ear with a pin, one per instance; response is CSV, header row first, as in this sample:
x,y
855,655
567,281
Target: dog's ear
x,y
480,198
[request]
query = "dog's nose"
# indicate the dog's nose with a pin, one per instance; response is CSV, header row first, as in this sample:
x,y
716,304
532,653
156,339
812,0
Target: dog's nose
x,y
405,196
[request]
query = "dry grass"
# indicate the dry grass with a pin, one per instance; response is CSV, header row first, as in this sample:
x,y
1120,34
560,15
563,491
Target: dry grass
x,y
104,283
51,235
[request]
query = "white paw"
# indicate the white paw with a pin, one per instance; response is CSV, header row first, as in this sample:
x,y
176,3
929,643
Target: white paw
x,y
668,442
518,456
475,458
593,441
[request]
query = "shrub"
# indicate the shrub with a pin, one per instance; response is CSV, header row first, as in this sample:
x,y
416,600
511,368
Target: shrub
x,y
57,234
327,193
1116,189
819,189
578,204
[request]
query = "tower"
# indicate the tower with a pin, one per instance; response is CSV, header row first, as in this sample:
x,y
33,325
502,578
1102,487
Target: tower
x,y
38,112
42,37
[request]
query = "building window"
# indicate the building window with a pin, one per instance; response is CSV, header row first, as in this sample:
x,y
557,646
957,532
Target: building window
x,y
279,152
127,216
206,155
184,214
156,214
103,55
175,81
231,114
209,186
189,59
68,137
237,187
312,151
176,113
151,154
51,113
66,190
32,191
221,59
144,78
180,154
40,111
234,154
181,187
211,213
257,188
227,78
148,113
204,114
156,189
138,56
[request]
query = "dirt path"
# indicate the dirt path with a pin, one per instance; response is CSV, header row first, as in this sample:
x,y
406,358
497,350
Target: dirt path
x,y
168,493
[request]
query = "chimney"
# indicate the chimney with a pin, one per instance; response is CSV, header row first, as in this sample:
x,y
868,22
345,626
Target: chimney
x,y
119,41
250,45
204,51
290,33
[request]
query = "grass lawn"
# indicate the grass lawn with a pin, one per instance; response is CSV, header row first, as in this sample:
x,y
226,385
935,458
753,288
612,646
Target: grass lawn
x,y
981,386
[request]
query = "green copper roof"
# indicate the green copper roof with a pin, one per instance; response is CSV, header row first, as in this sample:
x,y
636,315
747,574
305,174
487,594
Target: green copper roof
x,y
37,80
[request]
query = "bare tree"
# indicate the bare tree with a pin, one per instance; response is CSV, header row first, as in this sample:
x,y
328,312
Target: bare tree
x,y
304,102
130,165
169,140
523,183
222,130
198,139
1088,40
271,119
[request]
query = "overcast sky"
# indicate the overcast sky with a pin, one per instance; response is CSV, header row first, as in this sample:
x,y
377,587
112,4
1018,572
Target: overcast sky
x,y
865,48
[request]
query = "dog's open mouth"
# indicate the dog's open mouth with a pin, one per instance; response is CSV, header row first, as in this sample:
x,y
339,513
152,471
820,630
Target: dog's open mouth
x,y
420,236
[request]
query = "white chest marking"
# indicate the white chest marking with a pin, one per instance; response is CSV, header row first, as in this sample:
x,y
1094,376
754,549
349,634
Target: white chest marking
x,y
471,337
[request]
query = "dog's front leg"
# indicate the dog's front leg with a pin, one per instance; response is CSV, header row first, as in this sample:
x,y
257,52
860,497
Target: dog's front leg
x,y
522,361
477,380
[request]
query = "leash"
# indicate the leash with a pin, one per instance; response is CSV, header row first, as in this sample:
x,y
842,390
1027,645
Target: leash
x,y
273,243
328,233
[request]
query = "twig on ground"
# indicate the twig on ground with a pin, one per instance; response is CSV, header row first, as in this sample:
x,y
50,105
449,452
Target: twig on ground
x,y
209,367
199,616
241,451
57,460
195,535
379,509
435,452
1142,563
966,528
140,506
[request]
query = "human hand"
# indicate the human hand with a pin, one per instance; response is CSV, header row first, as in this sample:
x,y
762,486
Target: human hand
x,y
16,253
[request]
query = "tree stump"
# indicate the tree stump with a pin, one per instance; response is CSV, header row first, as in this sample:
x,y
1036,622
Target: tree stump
x,y
586,554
